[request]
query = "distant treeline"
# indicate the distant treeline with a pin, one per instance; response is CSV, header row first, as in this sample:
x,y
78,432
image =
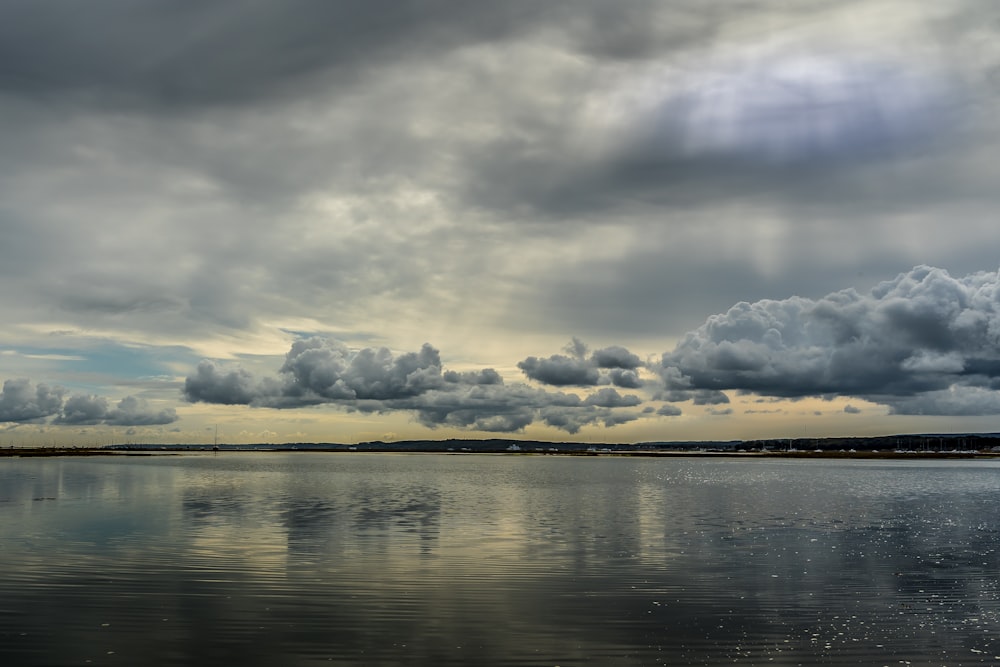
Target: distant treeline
x,y
899,444
982,442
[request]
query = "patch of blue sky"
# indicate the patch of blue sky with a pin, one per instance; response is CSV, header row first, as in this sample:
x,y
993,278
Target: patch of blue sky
x,y
93,368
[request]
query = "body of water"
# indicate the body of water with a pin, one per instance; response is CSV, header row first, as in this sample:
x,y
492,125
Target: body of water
x,y
378,559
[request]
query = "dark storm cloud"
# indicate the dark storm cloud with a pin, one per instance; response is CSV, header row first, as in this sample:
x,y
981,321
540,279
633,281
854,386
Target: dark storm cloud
x,y
922,343
802,118
614,365
165,53
487,106
323,371
815,142
22,402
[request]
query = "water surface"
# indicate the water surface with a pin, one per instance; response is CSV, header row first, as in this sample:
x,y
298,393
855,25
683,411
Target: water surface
x,y
378,559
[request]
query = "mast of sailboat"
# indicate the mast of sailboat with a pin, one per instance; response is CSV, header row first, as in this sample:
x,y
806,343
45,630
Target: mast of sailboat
x,y
215,444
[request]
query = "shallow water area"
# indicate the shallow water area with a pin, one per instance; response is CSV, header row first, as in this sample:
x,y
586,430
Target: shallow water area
x,y
380,559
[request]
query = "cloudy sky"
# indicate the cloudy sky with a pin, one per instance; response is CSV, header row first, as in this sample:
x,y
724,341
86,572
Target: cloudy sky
x,y
604,221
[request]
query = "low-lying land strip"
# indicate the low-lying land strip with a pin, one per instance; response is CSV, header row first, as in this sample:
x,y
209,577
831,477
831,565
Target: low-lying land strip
x,y
897,446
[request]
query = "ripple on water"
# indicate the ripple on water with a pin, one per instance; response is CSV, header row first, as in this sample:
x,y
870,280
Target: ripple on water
x,y
354,559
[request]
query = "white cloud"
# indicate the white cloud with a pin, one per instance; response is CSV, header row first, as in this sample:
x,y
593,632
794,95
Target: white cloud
x,y
921,343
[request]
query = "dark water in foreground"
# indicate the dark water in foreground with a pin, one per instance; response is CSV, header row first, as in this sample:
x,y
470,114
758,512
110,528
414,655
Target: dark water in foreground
x,y
374,559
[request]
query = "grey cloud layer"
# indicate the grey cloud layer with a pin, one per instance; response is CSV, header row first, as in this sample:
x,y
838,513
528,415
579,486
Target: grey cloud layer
x,y
218,52
445,170
23,402
171,120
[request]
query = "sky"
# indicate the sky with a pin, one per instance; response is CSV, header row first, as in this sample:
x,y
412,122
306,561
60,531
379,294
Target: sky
x,y
596,221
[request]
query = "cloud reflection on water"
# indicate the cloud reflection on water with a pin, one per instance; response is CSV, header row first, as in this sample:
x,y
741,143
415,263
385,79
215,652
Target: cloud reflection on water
x,y
384,560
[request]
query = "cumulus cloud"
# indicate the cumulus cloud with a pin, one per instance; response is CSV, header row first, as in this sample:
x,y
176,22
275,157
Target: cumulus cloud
x,y
22,402
615,356
560,371
609,398
327,369
81,410
485,376
130,411
494,408
318,370
610,365
210,384
572,421
922,343
669,411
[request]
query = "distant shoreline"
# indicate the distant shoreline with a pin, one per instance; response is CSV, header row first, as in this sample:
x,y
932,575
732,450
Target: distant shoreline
x,y
923,446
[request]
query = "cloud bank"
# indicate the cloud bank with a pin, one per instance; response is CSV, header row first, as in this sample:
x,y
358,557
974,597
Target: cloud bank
x,y
323,371
922,343
22,402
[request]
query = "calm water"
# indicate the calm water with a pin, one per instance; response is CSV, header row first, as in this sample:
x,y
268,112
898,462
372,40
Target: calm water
x,y
367,559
